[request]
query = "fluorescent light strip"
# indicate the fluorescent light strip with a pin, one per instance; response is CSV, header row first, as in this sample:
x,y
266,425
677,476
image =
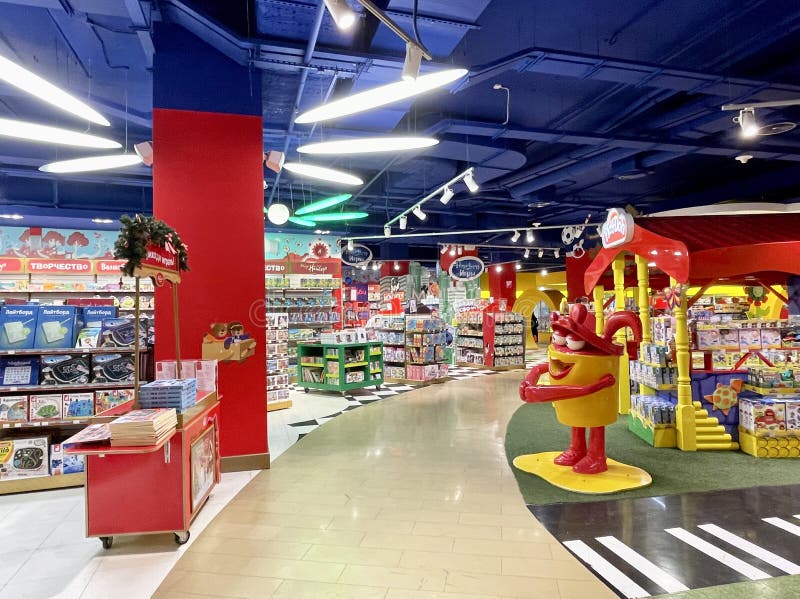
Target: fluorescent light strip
x,y
380,96
303,222
718,554
338,216
783,524
368,145
29,82
644,565
91,163
323,204
610,573
54,135
322,173
751,548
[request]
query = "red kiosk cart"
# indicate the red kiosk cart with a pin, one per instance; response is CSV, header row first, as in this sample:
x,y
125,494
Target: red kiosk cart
x,y
157,488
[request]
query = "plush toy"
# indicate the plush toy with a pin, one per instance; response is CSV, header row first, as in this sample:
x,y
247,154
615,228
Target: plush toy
x,y
583,387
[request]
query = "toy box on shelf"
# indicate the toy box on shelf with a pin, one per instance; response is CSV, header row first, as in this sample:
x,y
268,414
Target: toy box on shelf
x,y
490,339
652,418
278,368
770,425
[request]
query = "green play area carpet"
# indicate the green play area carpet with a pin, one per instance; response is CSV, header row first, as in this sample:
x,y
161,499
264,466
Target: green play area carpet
x,y
782,587
534,428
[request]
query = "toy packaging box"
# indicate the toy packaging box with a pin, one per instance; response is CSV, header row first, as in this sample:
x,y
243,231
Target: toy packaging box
x,y
88,337
113,368
45,407
109,399
67,369
729,339
77,405
14,408
749,339
708,339
770,338
18,326
22,458
93,316
56,327
793,416
19,371
61,463
121,332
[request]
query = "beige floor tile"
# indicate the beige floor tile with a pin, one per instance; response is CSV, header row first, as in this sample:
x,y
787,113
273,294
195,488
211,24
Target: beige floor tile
x,y
405,594
492,519
502,548
239,516
544,568
518,587
426,579
530,535
232,530
464,531
419,515
452,562
265,567
577,589
250,547
463,506
318,536
219,585
363,556
372,525
296,589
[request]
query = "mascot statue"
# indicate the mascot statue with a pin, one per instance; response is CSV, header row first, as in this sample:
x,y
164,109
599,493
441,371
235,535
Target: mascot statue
x,y
583,369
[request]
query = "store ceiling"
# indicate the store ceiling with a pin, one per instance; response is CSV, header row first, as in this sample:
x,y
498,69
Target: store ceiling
x,y
600,89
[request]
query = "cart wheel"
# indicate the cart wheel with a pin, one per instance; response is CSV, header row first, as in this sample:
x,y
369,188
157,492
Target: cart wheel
x,y
107,542
305,389
181,538
377,387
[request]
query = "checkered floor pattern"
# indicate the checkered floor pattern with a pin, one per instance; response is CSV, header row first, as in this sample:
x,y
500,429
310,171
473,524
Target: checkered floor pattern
x,y
362,397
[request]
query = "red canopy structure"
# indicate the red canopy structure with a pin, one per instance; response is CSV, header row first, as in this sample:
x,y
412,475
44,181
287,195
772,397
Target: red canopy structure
x,y
703,249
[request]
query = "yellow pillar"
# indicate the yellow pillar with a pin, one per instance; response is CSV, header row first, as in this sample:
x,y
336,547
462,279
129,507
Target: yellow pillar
x,y
618,268
643,301
599,315
685,412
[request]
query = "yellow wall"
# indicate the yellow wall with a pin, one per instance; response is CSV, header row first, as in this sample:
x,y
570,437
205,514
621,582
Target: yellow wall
x,y
771,308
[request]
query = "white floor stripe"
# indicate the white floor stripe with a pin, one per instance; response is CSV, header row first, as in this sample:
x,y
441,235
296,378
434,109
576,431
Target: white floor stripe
x,y
787,526
644,565
607,570
718,554
752,549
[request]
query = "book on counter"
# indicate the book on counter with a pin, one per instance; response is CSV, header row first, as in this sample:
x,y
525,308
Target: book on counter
x,y
142,427
92,435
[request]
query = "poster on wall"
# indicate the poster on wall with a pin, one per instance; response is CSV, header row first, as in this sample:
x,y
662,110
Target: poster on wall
x,y
62,244
202,462
286,254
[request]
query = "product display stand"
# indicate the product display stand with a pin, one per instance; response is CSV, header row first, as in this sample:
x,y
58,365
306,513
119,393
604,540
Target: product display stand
x,y
278,373
390,331
425,359
339,367
157,488
494,340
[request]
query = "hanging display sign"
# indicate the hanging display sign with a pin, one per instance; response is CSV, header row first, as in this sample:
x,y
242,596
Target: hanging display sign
x,y
618,228
360,254
302,255
467,268
160,257
11,266
108,267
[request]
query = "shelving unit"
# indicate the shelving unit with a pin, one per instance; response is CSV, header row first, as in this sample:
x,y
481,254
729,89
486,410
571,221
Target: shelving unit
x,y
425,341
391,333
278,373
339,367
493,340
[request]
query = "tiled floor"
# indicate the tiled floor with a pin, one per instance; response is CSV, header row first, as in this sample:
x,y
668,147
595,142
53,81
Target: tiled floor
x,y
409,498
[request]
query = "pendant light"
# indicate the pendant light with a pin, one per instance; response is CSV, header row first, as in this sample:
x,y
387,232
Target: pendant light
x,y
322,173
368,145
91,163
54,135
323,204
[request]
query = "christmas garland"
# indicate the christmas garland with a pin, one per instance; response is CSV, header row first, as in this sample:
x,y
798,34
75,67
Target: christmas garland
x,y
137,232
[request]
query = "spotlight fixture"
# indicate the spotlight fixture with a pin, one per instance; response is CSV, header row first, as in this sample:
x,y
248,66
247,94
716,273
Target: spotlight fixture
x,y
412,62
498,268
469,181
515,237
747,121
278,214
543,272
350,245
541,253
403,223
460,250
145,151
91,163
529,236
517,265
443,250
23,79
557,253
342,14
447,195
419,213
380,96
527,253
452,252
54,135
323,204
387,231
322,173
375,266
303,222
396,265
368,145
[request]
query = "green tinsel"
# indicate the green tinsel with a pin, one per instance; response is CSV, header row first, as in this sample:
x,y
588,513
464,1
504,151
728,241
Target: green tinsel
x,y
137,232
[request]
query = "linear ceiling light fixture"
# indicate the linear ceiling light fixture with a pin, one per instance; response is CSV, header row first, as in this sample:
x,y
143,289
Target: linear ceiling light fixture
x,y
380,96
368,145
338,216
303,222
322,173
342,14
91,163
54,135
29,82
446,191
323,204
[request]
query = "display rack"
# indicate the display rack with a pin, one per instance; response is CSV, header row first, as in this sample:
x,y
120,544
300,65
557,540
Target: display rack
x,y
339,367
278,373
489,339
425,342
390,331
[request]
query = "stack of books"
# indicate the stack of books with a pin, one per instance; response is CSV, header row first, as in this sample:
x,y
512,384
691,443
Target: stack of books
x,y
180,394
142,427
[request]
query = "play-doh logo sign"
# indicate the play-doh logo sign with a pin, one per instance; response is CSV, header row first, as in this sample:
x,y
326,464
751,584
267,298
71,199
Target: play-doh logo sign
x,y
618,228
467,268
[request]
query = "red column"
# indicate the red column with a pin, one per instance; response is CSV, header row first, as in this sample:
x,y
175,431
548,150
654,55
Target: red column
x,y
503,283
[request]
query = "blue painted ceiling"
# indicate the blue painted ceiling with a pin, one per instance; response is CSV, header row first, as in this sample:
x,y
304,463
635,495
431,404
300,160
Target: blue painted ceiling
x,y
599,89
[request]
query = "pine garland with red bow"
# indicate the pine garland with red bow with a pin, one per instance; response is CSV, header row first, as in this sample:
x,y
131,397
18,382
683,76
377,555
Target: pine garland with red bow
x,y
137,232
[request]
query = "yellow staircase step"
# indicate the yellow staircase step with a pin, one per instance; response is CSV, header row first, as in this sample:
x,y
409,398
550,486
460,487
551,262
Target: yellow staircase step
x,y
697,404
713,438
701,413
722,446
706,422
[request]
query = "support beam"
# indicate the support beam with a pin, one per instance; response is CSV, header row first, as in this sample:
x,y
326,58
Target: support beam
x,y
142,26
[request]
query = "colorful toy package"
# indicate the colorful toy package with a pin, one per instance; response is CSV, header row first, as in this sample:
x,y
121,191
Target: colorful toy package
x,y
109,399
56,327
93,316
14,408
67,369
45,407
61,463
17,326
22,458
113,368
19,371
77,405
